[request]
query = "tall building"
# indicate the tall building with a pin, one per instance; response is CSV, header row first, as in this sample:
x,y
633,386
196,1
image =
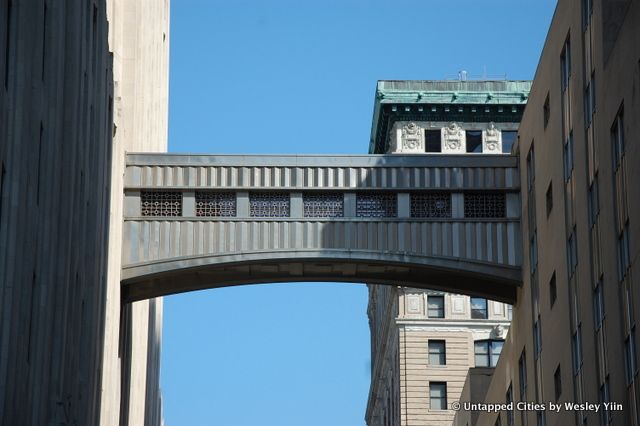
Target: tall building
x,y
424,342
80,84
574,337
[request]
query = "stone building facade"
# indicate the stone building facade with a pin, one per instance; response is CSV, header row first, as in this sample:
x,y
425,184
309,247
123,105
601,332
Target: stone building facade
x,y
574,337
424,342
80,84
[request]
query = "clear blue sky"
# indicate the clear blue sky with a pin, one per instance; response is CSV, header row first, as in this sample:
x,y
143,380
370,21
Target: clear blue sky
x,y
299,76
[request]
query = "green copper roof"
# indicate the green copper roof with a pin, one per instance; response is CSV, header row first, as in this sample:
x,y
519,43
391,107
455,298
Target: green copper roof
x,y
489,98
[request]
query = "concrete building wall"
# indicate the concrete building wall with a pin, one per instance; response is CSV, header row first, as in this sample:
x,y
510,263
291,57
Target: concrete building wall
x,y
55,150
139,40
587,350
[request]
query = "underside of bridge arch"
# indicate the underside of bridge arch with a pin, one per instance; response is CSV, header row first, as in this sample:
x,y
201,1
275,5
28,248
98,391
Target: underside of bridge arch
x,y
153,279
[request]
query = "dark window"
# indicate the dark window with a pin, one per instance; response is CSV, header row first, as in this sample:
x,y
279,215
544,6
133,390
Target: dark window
x,y
568,156
589,101
594,201
557,383
522,375
437,352
7,42
431,204
44,41
604,395
572,253
215,204
576,350
498,421
376,205
624,259
509,399
435,306
598,306
587,10
553,292
549,198
617,139
546,111
630,360
474,140
508,139
487,352
479,308
537,338
565,65
484,204
531,168
438,395
433,140
533,252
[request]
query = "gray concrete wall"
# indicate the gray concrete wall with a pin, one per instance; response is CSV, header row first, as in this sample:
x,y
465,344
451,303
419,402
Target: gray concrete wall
x,y
55,148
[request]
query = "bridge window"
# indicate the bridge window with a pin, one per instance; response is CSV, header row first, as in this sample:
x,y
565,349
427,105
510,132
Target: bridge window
x,y
435,306
269,204
323,205
431,204
487,352
484,205
376,205
479,308
215,204
161,203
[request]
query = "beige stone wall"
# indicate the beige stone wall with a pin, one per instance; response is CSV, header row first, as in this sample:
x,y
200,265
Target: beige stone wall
x,y
139,40
606,49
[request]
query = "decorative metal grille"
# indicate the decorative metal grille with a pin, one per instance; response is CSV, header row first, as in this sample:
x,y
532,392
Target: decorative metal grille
x,y
215,204
161,203
485,205
431,204
323,205
271,204
376,205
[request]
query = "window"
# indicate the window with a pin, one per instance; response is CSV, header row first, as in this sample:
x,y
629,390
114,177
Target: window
x,y
431,204
433,140
533,252
479,308
161,203
7,41
594,201
567,155
509,399
605,415
572,253
531,166
522,375
537,338
617,139
269,204
484,205
323,205
630,360
576,350
509,312
438,395
589,101
598,306
549,198
553,293
376,205
437,352
215,204
557,383
624,260
565,65
587,10
498,421
487,352
508,140
546,111
474,140
435,306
